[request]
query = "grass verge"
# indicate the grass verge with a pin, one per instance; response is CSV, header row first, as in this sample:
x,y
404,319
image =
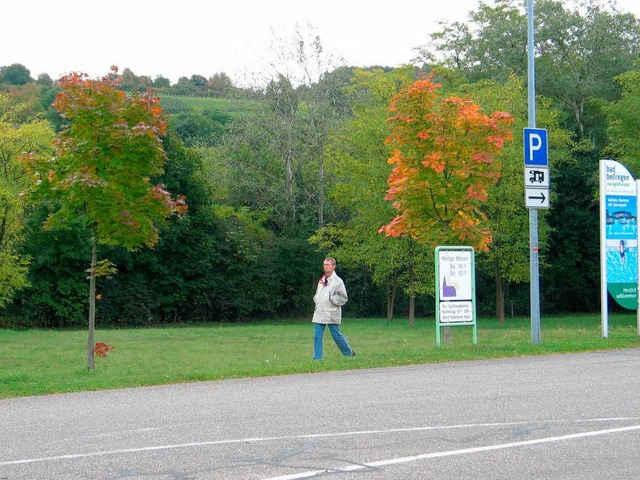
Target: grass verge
x,y
38,362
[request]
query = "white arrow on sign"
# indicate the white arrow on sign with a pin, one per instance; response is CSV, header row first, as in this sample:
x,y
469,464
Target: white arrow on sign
x,y
536,197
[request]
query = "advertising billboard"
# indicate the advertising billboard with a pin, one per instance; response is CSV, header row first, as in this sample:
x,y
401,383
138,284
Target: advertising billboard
x,y
619,231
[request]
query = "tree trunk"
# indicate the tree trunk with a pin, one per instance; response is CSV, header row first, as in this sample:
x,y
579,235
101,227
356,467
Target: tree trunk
x,y
320,191
3,225
499,292
391,299
412,310
289,186
412,279
92,306
578,112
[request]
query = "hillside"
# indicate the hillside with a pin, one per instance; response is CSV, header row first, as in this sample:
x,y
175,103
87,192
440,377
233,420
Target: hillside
x,y
175,104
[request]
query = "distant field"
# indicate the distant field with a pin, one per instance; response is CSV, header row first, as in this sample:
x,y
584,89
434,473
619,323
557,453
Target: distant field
x,y
37,362
174,104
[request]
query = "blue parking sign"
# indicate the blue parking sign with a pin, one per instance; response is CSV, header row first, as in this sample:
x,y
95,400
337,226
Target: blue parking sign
x,y
536,147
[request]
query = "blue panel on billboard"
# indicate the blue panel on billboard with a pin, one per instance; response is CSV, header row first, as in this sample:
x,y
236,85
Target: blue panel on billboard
x,y
536,149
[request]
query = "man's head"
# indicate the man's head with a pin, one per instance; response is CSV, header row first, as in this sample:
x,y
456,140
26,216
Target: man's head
x,y
329,265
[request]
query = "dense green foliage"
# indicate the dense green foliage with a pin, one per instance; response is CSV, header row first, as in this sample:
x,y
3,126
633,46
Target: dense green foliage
x,y
173,104
18,133
280,175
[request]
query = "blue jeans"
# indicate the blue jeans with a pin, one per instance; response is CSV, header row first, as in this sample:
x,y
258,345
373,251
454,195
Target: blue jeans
x,y
341,342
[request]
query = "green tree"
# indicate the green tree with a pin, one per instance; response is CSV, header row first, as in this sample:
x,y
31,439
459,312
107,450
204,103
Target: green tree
x,y
184,87
269,168
199,81
131,82
57,292
33,136
101,172
581,52
28,101
622,120
13,275
220,85
580,49
15,74
161,82
204,129
44,79
491,44
507,260
301,101
216,263
572,249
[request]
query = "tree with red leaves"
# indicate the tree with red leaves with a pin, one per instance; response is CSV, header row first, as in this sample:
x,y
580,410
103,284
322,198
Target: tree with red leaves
x,y
444,160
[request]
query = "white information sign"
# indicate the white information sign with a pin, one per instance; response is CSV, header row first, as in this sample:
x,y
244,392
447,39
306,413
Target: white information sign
x,y
455,275
455,292
456,312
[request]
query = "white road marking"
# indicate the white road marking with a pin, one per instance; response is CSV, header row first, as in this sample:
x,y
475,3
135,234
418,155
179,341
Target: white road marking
x,y
309,436
450,453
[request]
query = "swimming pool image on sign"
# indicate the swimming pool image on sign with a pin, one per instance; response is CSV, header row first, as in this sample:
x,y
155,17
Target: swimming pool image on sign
x,y
622,269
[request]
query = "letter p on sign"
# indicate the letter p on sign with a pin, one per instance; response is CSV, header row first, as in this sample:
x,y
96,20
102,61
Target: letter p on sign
x,y
536,150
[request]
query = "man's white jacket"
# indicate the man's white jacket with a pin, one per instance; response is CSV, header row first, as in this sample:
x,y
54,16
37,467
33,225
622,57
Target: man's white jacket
x,y
330,295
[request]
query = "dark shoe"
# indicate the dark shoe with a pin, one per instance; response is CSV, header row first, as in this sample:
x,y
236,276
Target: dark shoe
x,y
353,353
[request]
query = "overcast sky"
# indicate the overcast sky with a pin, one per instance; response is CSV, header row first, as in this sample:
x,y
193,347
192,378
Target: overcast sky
x,y
186,37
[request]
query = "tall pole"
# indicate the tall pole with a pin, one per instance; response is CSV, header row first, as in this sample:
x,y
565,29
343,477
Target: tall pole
x,y
534,290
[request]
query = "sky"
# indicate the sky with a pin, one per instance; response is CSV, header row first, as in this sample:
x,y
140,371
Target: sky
x,y
182,38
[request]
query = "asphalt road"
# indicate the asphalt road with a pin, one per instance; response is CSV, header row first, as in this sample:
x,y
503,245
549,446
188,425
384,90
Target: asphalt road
x,y
551,417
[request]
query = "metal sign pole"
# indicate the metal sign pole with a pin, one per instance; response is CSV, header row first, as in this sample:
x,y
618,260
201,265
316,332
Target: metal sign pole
x,y
604,299
534,290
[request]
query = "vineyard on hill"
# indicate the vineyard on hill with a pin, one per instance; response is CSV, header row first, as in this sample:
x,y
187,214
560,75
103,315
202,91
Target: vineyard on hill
x,y
176,104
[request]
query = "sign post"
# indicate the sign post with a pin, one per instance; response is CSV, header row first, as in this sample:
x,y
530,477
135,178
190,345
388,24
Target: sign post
x,y
533,142
456,289
536,181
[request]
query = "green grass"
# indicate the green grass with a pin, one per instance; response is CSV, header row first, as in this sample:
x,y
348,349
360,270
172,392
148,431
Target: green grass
x,y
37,362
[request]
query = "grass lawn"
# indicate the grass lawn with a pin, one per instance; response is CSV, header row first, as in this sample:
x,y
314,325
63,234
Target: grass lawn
x,y
37,362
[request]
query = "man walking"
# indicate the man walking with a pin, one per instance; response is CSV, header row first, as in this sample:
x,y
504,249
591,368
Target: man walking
x,y
330,295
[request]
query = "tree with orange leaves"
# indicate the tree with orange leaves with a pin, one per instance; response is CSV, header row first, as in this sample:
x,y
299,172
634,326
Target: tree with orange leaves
x,y
444,158
101,172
